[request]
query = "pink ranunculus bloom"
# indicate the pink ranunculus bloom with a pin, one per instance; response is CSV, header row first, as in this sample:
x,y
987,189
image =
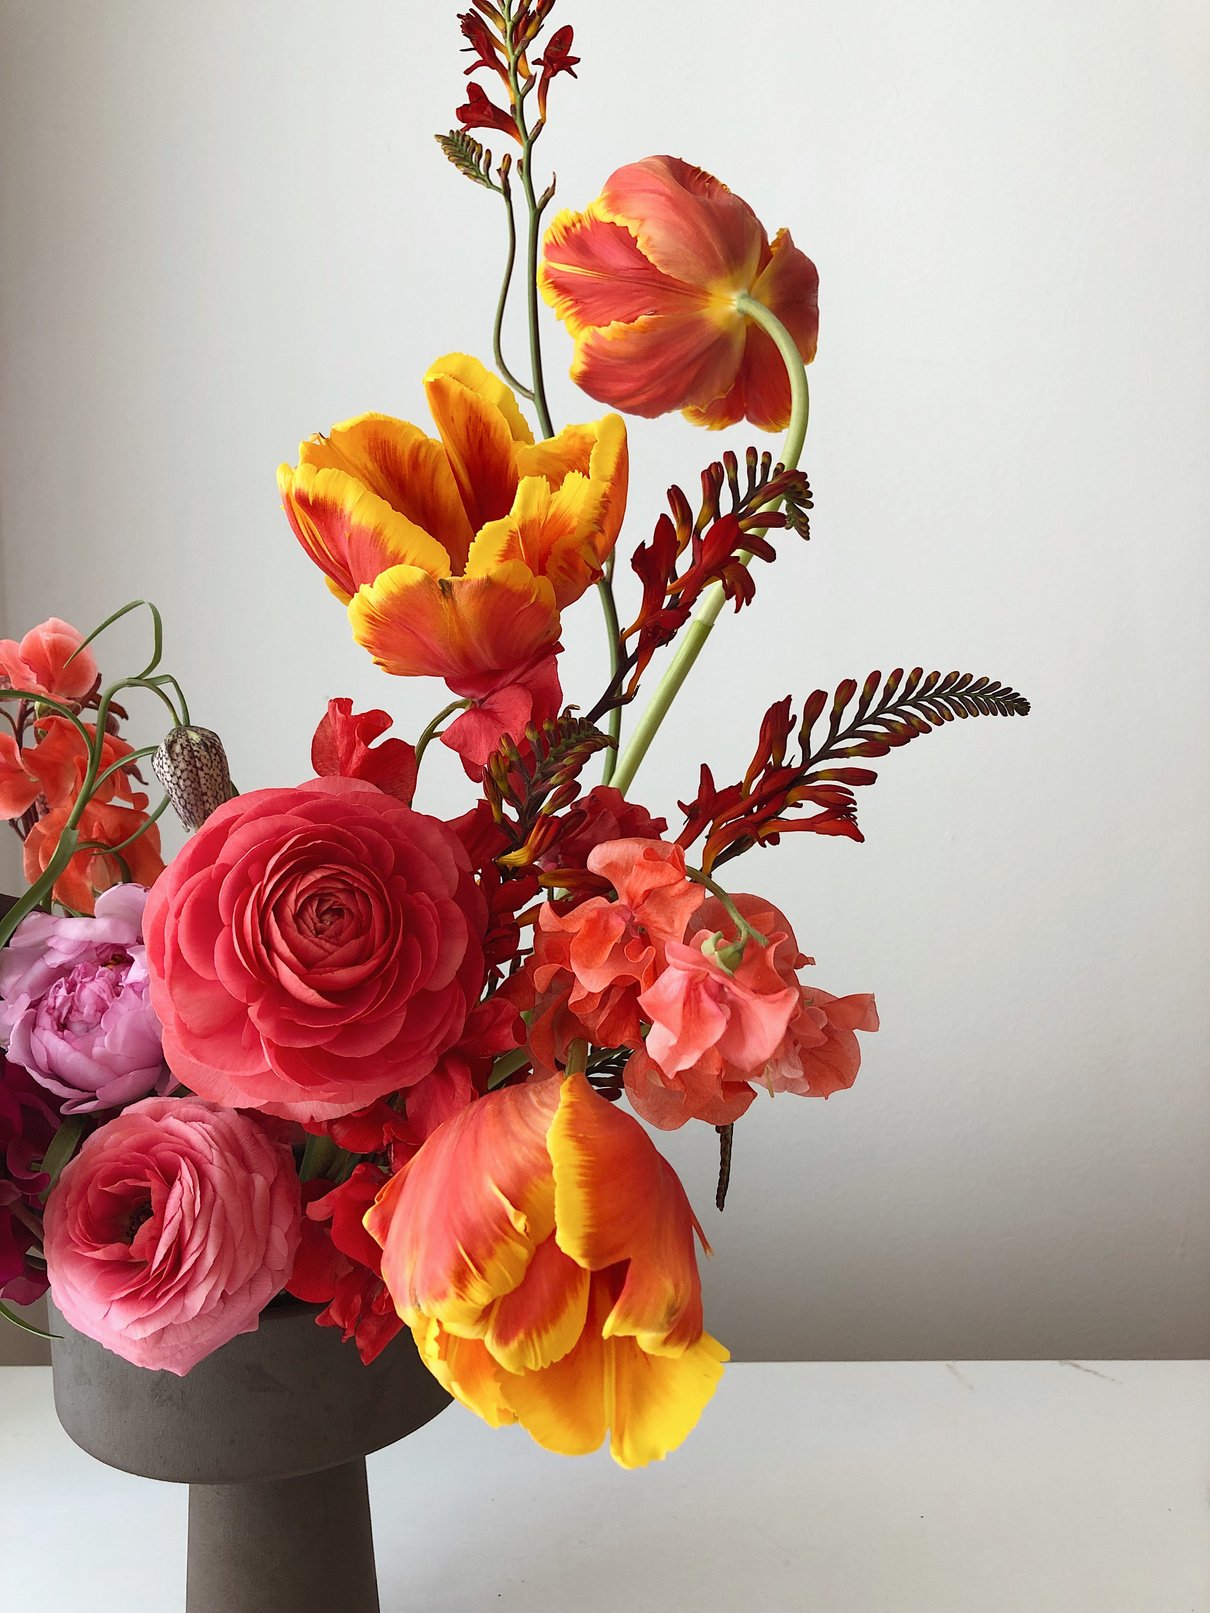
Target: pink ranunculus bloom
x,y
49,661
76,1005
312,949
171,1230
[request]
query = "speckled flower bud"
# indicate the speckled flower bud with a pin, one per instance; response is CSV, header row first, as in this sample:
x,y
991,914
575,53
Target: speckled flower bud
x,y
191,764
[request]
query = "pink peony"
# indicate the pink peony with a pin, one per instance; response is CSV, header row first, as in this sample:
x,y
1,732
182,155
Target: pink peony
x,y
171,1230
49,661
312,949
76,1008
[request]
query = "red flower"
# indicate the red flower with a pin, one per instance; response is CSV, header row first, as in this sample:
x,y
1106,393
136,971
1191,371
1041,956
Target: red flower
x,y
342,747
28,1122
480,113
603,814
713,1035
647,281
556,59
503,703
311,949
590,965
339,1265
49,661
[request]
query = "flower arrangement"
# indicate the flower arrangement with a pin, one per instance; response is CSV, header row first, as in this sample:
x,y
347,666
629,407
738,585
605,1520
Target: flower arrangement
x,y
400,1068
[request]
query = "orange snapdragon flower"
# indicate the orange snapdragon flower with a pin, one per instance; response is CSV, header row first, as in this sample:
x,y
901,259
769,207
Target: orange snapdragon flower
x,y
646,280
455,556
542,1252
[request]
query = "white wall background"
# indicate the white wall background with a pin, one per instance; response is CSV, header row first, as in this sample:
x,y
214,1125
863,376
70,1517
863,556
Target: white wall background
x,y
225,226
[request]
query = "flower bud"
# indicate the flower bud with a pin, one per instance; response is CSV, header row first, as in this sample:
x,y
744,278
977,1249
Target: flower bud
x,y
191,764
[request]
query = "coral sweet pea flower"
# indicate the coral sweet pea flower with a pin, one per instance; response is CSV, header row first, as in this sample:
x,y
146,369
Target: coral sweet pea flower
x,y
455,556
541,1250
646,280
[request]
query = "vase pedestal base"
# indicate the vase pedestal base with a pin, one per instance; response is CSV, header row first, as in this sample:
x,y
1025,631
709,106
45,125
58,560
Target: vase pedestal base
x,y
300,1545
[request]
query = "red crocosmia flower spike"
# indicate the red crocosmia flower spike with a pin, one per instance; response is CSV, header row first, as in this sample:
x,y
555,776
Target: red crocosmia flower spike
x,y
342,744
483,44
479,112
556,59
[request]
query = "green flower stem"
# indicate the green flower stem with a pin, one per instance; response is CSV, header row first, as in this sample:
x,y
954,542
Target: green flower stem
x,y
613,632
713,599
26,1327
502,304
434,728
319,1154
534,233
506,1065
743,928
62,1146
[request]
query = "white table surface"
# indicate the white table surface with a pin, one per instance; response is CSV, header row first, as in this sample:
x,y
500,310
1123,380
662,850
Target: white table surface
x,y
901,1487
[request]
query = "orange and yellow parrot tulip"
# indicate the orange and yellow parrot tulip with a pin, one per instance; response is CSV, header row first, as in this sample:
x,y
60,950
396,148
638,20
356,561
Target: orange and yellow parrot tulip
x,y
542,1252
646,281
455,555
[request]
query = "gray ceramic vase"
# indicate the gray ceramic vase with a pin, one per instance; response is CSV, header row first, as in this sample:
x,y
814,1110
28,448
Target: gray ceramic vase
x,y
270,1433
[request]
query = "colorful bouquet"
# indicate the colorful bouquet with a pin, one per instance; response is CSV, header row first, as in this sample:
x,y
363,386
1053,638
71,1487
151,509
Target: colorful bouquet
x,y
343,1050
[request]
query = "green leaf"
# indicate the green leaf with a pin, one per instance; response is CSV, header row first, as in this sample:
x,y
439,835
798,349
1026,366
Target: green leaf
x,y
26,1327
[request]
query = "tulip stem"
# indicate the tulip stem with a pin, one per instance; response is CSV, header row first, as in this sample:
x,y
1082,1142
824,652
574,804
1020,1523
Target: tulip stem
x,y
713,598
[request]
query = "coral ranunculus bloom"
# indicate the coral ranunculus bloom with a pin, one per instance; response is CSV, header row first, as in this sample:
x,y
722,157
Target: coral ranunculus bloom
x,y
646,281
542,1252
455,556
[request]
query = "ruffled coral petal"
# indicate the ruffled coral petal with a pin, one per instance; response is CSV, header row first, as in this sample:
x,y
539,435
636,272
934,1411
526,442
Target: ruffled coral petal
x,y
351,534
409,471
18,789
539,1321
417,626
687,223
661,362
481,427
459,1224
617,1200
655,1401
465,1370
594,272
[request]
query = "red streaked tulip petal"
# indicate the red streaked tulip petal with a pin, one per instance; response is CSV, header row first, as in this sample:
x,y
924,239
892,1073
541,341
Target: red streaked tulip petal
x,y
465,1370
595,273
351,534
554,533
599,451
565,1406
454,628
480,426
540,1320
661,362
410,471
459,1224
618,1200
687,223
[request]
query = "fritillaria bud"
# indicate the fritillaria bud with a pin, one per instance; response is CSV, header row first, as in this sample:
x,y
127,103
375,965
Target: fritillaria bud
x,y
191,764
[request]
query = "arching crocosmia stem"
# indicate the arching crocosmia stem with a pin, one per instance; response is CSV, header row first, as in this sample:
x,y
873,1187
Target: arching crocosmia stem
x,y
502,304
534,235
713,599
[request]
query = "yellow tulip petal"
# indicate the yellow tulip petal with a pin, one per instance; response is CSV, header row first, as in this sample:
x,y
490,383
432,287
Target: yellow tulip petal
x,y
563,1407
351,534
459,1225
465,1370
454,628
600,452
618,1203
553,533
395,460
541,1319
654,1402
